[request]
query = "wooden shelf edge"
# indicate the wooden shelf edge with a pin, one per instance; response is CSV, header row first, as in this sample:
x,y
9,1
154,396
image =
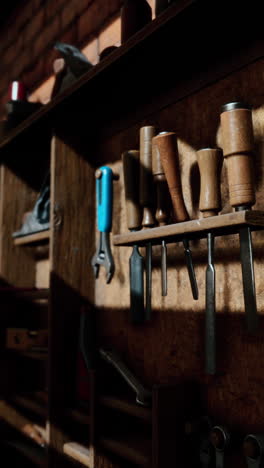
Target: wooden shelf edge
x,y
33,238
129,448
126,407
79,453
223,224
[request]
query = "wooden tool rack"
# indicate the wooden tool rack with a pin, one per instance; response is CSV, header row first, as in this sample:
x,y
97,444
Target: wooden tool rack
x,y
168,76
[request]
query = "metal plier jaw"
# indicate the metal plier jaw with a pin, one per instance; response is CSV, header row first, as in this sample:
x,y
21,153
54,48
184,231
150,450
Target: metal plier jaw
x,y
103,256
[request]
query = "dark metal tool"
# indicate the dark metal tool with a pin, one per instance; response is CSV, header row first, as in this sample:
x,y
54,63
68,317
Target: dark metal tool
x,y
162,211
146,201
220,439
166,145
104,198
238,145
134,219
39,218
143,396
210,163
253,448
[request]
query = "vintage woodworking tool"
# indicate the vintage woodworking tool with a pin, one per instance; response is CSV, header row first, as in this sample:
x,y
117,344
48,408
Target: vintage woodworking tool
x,y
210,163
134,220
143,396
253,449
39,218
104,200
220,439
163,209
166,144
146,201
238,144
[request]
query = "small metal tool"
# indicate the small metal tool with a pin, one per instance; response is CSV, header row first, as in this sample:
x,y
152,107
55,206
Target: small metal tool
x,y
253,448
134,219
104,197
220,439
238,147
166,144
163,209
143,396
210,162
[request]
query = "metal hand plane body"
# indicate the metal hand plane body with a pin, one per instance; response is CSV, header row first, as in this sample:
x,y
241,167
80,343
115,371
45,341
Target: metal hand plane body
x,y
104,203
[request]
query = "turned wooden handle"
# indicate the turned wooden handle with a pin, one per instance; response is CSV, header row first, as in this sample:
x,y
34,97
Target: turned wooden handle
x,y
163,203
131,178
146,177
238,146
166,144
210,162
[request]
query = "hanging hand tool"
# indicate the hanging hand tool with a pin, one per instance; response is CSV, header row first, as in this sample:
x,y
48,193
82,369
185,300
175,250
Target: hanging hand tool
x,y
210,163
146,201
143,396
220,439
104,200
253,448
162,212
238,144
134,219
166,145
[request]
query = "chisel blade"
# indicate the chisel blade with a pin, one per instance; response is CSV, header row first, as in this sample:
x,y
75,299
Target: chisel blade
x,y
190,268
136,271
246,257
163,269
148,279
210,346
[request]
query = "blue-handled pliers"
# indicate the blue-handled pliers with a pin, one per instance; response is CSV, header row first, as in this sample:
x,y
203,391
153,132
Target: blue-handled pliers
x,y
104,203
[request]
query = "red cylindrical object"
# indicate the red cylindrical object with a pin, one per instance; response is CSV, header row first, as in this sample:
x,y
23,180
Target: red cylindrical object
x,y
17,91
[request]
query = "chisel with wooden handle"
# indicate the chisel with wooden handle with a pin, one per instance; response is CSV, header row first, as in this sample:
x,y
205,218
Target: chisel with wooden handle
x,y
163,210
134,219
238,147
210,162
146,201
166,145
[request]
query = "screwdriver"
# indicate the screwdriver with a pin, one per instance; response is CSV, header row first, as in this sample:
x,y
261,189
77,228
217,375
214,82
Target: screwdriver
x,y
210,163
238,145
162,213
166,144
146,201
134,219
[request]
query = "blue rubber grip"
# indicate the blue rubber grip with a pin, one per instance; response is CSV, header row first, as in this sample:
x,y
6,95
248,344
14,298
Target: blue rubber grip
x,y
104,198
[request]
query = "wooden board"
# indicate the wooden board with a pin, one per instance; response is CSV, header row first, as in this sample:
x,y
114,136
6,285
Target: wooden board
x,y
78,452
32,238
197,228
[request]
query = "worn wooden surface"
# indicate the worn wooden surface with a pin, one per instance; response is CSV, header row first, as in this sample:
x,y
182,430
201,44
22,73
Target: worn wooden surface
x,y
172,344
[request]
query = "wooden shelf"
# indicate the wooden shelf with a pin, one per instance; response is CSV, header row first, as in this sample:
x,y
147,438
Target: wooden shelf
x,y
196,67
127,407
78,452
78,415
134,449
223,224
35,238
30,294
31,402
36,455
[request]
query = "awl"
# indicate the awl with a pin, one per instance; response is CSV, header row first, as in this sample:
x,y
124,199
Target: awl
x,y
166,145
146,201
238,145
163,209
134,219
104,202
210,162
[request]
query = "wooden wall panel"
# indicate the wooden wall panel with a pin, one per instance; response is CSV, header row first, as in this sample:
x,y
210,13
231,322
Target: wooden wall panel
x,y
72,192
172,344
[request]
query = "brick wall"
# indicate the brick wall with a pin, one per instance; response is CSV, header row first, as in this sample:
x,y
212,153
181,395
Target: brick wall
x,y
26,41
